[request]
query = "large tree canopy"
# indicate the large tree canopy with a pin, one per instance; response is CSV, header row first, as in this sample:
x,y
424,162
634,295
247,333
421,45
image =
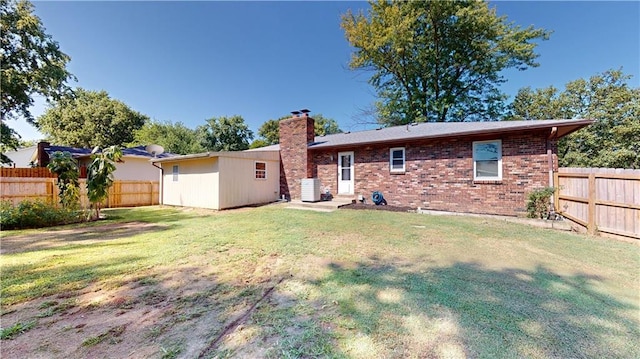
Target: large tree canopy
x,y
612,141
226,134
31,63
90,119
173,137
269,132
438,60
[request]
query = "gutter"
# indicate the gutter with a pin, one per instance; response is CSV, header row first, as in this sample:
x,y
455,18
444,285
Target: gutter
x,y
161,189
552,135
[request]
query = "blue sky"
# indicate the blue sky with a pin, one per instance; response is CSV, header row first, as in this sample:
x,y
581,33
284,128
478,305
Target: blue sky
x,y
190,61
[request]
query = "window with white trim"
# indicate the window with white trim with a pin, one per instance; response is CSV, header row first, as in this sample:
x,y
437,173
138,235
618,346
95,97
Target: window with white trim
x,y
175,173
396,159
487,160
260,170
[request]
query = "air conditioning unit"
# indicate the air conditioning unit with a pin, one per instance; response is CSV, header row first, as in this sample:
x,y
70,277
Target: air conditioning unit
x,y
310,190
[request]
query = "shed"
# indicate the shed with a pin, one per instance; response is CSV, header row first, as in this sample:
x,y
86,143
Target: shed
x,y
220,180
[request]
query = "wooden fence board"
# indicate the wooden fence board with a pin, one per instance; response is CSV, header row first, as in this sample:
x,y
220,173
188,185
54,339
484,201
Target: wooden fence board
x,y
604,200
36,172
121,194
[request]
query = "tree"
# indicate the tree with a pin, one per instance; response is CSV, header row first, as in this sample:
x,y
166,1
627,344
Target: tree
x,y
612,141
174,137
9,140
100,174
90,119
62,164
226,134
269,132
438,60
30,63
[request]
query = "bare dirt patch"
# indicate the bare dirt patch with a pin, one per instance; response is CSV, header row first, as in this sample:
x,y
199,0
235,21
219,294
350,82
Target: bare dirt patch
x,y
82,235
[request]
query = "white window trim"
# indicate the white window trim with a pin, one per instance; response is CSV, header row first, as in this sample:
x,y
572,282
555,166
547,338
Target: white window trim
x,y
404,160
175,170
473,150
255,171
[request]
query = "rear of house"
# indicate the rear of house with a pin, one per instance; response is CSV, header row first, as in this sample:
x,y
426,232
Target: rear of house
x,y
220,180
481,167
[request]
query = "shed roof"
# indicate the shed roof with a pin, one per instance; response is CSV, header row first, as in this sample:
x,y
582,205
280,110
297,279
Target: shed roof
x,y
432,130
256,155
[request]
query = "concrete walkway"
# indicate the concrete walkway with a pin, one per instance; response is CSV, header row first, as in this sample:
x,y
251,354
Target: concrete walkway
x,y
321,206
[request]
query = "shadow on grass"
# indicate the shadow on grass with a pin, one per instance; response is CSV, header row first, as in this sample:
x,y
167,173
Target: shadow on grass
x,y
150,214
77,237
465,310
55,277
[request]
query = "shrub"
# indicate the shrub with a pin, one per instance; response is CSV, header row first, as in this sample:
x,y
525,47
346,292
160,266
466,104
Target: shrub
x,y
36,214
66,168
538,203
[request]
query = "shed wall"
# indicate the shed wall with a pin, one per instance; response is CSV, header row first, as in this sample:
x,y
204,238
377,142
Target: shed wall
x,y
196,186
239,187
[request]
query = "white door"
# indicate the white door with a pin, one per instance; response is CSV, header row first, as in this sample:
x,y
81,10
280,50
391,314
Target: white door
x,y
345,173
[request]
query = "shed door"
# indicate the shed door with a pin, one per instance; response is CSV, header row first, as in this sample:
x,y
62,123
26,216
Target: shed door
x,y
345,173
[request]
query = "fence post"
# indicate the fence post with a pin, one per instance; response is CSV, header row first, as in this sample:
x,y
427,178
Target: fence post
x,y
591,221
556,194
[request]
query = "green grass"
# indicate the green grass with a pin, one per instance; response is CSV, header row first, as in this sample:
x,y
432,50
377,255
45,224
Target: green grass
x,y
355,284
16,329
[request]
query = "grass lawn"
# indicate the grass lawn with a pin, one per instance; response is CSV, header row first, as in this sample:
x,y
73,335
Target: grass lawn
x,y
281,283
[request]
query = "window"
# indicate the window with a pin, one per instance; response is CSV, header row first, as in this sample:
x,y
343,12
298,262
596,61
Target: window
x,y
175,173
487,160
261,170
396,159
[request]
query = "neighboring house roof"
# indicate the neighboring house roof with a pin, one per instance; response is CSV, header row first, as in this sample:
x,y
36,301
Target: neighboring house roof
x,y
432,130
253,154
138,151
21,158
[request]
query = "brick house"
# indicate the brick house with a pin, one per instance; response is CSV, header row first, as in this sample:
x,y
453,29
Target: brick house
x,y
474,167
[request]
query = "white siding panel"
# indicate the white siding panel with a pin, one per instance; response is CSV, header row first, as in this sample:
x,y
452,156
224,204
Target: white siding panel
x,y
238,185
197,184
136,169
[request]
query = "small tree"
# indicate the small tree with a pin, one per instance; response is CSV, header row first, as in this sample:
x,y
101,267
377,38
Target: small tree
x,y
62,164
100,174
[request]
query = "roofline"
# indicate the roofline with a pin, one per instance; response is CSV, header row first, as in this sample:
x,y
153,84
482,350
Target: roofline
x,y
192,156
195,156
574,125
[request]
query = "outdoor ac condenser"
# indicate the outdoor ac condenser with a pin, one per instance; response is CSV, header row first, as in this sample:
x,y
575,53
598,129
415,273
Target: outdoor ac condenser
x,y
310,190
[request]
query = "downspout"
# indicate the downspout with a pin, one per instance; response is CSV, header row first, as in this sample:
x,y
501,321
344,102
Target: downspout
x,y
161,189
552,135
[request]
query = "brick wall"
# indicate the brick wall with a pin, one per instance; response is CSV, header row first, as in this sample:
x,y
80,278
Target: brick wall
x,y
295,162
439,174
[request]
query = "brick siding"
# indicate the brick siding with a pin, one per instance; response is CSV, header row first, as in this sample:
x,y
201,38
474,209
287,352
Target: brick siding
x,y
439,174
295,163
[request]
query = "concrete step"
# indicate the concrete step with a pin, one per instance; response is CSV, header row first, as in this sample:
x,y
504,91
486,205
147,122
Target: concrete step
x,y
322,206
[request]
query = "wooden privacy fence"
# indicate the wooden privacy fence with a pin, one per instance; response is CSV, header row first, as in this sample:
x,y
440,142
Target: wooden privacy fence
x,y
600,199
121,194
38,172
